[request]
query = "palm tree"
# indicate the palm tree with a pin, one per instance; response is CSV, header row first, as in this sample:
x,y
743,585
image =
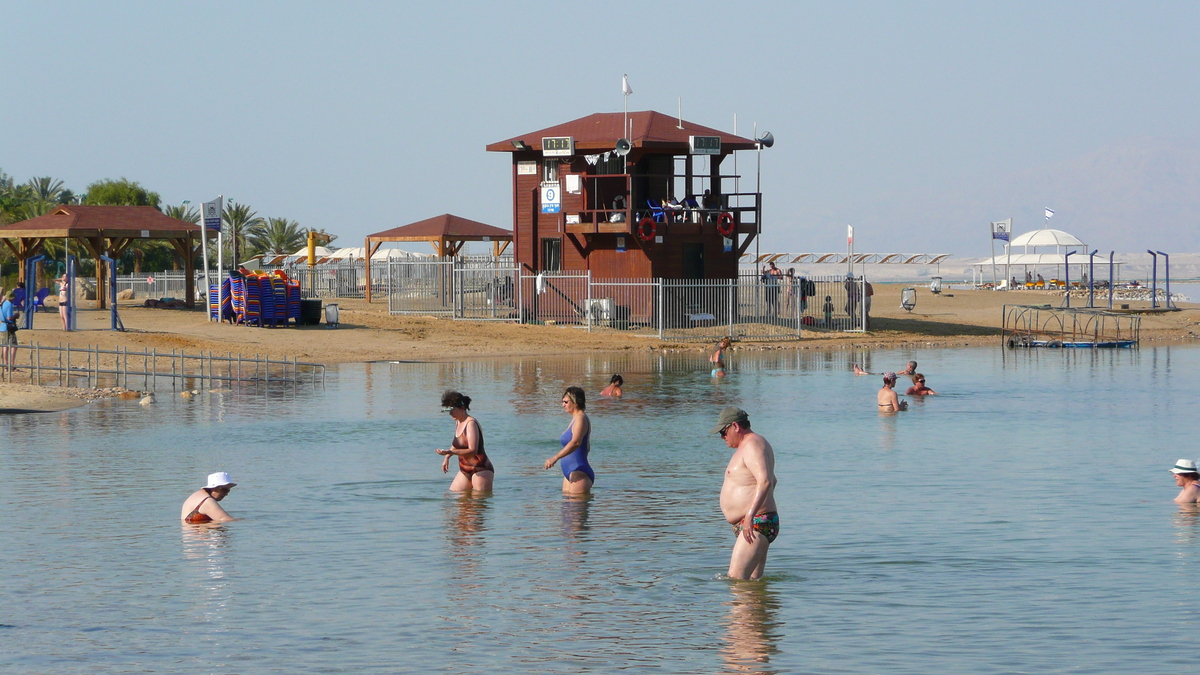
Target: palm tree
x,y
278,236
238,221
47,189
185,213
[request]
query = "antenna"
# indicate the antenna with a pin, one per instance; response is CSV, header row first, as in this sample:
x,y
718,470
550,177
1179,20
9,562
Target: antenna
x,y
679,101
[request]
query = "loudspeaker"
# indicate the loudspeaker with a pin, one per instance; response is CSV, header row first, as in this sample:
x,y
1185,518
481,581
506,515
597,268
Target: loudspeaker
x,y
767,139
623,148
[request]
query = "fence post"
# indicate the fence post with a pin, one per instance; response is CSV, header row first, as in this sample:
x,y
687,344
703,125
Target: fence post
x,y
661,296
732,303
587,303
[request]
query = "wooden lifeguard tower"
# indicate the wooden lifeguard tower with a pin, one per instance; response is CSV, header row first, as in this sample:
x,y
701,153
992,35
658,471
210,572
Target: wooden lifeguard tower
x,y
588,197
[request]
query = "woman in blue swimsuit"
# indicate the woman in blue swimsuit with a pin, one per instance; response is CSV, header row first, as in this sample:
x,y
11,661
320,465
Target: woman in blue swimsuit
x,y
577,473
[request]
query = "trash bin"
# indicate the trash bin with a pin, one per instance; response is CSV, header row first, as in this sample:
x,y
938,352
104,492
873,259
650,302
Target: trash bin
x,y
310,312
331,315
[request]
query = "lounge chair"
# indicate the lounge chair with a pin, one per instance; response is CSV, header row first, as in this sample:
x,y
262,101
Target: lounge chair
x,y
39,300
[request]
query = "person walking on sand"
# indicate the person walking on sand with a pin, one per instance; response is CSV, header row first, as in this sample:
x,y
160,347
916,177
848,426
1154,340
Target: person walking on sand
x,y
888,401
8,338
202,507
475,470
62,300
748,494
1188,478
614,386
578,476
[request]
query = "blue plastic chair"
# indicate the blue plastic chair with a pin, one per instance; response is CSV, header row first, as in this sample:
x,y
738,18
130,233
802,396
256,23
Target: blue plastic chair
x,y
656,211
39,300
19,299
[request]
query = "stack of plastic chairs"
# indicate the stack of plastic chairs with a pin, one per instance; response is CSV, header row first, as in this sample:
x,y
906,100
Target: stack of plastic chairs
x,y
226,300
293,295
237,296
253,314
212,302
281,301
266,296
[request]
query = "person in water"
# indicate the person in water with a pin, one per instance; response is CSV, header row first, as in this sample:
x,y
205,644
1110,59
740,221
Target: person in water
x,y
1188,478
578,476
748,494
202,507
918,388
614,386
910,369
888,400
718,357
475,470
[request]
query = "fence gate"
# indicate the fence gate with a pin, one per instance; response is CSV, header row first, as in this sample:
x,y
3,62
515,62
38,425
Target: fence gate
x,y
487,293
421,287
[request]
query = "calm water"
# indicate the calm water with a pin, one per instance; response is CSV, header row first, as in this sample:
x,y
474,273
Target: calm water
x,y
1021,522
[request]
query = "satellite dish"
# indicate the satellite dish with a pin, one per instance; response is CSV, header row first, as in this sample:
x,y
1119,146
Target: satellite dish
x,y
767,139
623,148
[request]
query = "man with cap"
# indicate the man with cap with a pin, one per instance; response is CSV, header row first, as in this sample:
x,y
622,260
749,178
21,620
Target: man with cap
x,y
1188,478
748,494
202,507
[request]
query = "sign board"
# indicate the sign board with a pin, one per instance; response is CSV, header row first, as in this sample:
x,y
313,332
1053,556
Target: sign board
x,y
150,281
558,146
526,168
704,145
621,244
728,244
1002,229
551,198
573,219
212,214
145,234
658,239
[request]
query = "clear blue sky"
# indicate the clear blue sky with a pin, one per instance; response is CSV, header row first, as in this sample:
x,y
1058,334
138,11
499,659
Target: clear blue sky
x,y
356,117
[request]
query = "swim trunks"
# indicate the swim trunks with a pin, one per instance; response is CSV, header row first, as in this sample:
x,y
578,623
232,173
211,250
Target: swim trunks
x,y
766,524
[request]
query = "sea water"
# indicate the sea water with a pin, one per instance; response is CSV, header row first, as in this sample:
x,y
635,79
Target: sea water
x,y
1021,521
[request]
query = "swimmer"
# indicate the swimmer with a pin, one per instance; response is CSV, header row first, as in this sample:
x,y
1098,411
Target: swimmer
x,y
202,507
888,401
475,470
718,357
919,388
614,386
578,476
909,369
748,494
1188,478
860,371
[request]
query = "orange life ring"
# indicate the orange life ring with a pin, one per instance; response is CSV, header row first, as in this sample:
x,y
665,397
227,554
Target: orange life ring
x,y
725,224
641,229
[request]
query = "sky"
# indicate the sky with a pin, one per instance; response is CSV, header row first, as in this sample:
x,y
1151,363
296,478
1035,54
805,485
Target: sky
x,y
356,117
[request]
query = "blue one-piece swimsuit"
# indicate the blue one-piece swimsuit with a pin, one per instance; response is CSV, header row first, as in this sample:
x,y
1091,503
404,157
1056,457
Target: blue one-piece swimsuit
x,y
577,460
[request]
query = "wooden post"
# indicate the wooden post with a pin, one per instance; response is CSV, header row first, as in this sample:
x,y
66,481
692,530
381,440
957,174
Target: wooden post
x,y
367,266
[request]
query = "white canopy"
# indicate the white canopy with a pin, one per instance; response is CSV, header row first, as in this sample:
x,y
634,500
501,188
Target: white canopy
x,y
1046,237
1034,259
358,252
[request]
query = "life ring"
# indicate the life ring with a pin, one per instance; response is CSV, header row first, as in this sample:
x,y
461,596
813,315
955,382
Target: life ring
x,y
725,224
646,229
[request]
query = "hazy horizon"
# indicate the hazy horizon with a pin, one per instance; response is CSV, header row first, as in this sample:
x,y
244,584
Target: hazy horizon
x,y
918,124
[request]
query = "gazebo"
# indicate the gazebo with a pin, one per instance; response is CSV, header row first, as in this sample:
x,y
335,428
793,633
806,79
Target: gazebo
x,y
1029,255
105,231
447,234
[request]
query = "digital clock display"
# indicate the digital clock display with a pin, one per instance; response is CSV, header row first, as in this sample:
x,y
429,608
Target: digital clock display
x,y
558,146
705,145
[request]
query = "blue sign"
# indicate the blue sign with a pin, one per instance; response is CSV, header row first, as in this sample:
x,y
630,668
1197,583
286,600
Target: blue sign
x,y
551,199
212,214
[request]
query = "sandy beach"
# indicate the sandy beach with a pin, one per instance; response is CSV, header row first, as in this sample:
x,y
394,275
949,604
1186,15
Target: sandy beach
x,y
368,333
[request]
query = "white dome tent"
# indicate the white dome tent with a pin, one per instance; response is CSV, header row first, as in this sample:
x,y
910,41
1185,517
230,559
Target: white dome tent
x,y
1029,252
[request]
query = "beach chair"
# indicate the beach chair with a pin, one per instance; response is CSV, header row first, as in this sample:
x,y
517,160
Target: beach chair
x,y
656,211
39,300
252,315
293,295
279,288
266,299
19,299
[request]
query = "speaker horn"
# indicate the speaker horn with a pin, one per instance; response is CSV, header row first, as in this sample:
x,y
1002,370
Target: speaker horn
x,y
767,139
623,148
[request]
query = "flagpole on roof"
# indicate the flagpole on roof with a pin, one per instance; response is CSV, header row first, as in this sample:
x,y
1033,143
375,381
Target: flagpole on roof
x,y
626,90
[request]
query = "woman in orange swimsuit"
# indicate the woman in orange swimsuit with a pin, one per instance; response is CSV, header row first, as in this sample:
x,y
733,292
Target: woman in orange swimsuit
x,y
475,470
202,507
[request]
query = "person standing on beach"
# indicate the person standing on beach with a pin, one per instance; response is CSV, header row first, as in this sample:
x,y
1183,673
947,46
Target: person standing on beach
x,y
201,506
748,494
8,341
1187,476
888,401
475,470
62,300
578,476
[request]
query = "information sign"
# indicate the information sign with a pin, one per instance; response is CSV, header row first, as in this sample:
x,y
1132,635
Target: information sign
x,y
551,198
212,214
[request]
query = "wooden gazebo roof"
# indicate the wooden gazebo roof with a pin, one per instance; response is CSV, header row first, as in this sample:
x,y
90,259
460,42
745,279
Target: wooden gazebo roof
x,y
103,230
446,232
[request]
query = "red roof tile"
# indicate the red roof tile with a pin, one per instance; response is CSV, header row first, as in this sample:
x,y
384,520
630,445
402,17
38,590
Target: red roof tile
x,y
72,220
599,132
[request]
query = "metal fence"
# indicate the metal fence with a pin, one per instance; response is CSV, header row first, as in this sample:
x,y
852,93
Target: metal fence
x,y
682,309
158,285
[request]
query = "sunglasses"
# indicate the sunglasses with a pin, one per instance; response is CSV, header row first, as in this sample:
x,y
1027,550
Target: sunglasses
x,y
724,430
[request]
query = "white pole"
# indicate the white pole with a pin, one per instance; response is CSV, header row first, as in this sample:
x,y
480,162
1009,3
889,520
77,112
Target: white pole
x,y
220,258
204,259
995,286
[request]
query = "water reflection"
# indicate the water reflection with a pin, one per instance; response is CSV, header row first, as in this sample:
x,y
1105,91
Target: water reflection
x,y
575,514
751,628
1187,524
206,549
465,524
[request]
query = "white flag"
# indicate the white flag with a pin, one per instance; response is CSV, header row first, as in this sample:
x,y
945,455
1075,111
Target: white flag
x,y
625,88
1049,213
849,234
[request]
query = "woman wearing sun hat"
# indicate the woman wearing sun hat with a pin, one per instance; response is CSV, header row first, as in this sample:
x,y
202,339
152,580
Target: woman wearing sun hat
x,y
202,507
1188,478
888,401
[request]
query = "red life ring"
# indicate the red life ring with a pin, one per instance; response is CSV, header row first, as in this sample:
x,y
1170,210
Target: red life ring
x,y
725,224
642,233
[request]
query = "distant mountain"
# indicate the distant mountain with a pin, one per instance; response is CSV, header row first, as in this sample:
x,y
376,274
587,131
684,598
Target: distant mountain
x,y
1129,196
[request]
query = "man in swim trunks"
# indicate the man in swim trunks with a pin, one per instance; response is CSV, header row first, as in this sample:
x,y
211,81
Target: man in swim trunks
x,y
202,507
748,494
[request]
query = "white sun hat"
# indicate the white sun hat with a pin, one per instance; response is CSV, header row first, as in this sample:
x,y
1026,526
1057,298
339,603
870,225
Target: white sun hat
x,y
219,479
1184,466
